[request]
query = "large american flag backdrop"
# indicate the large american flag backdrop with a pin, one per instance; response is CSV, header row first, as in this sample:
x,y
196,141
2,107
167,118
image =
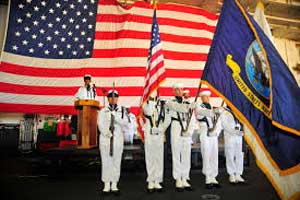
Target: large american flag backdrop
x,y
50,45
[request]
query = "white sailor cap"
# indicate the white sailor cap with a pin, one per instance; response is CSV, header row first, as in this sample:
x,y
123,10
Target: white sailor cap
x,y
177,85
205,93
128,107
87,76
153,94
111,92
186,91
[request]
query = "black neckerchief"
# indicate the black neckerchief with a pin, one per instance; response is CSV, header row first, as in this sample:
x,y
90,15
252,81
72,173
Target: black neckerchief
x,y
113,107
207,105
162,114
179,99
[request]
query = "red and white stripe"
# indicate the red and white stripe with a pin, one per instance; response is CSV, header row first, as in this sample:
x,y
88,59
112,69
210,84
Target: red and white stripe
x,y
155,71
122,40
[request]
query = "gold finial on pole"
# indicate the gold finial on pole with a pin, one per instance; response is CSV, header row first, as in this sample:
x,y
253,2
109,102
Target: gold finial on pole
x,y
154,2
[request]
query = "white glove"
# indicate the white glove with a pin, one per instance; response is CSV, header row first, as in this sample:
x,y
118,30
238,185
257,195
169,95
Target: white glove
x,y
212,133
185,134
193,105
240,133
219,110
160,131
107,134
155,131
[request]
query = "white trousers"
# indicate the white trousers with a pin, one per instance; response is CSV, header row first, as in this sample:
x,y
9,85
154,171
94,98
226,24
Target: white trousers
x,y
154,155
234,154
111,165
181,152
210,152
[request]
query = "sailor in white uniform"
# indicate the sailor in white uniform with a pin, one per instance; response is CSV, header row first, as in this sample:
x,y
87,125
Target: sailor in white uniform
x,y
233,139
182,126
87,91
209,144
111,123
154,129
131,131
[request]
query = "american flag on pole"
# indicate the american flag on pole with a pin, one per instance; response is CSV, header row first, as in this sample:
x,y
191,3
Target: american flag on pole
x,y
155,69
50,45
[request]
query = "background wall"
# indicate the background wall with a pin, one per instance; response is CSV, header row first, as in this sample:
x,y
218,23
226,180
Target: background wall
x,y
290,54
11,118
3,15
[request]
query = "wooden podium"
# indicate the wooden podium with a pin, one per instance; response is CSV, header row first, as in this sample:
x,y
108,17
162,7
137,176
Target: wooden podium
x,y
87,136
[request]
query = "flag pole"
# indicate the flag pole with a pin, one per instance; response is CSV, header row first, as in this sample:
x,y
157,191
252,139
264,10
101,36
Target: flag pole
x,y
198,91
196,97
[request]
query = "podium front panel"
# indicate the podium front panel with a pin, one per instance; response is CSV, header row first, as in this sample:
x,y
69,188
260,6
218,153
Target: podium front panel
x,y
87,135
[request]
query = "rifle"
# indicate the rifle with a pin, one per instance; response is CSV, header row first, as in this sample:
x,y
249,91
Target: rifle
x,y
215,121
112,125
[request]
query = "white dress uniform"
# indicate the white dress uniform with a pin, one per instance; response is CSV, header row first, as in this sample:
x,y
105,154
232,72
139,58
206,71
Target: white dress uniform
x,y
131,130
84,93
111,164
154,129
187,144
233,138
181,133
209,144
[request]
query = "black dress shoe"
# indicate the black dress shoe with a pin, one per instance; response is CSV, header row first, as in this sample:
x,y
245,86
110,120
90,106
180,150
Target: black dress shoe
x,y
188,188
209,186
116,192
159,190
150,191
216,185
179,189
105,193
241,183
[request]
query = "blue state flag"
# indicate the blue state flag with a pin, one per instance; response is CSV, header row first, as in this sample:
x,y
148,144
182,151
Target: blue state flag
x,y
245,69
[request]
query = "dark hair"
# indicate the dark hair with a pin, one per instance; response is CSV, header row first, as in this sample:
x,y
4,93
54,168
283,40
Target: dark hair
x,y
111,94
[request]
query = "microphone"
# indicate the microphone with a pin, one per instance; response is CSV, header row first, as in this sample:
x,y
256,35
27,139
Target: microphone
x,y
94,90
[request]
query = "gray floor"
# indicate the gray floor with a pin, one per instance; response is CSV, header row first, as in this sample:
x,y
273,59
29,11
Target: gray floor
x,y
31,177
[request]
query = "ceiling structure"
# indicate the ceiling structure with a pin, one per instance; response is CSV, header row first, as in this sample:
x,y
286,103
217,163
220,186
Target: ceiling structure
x,y
282,15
